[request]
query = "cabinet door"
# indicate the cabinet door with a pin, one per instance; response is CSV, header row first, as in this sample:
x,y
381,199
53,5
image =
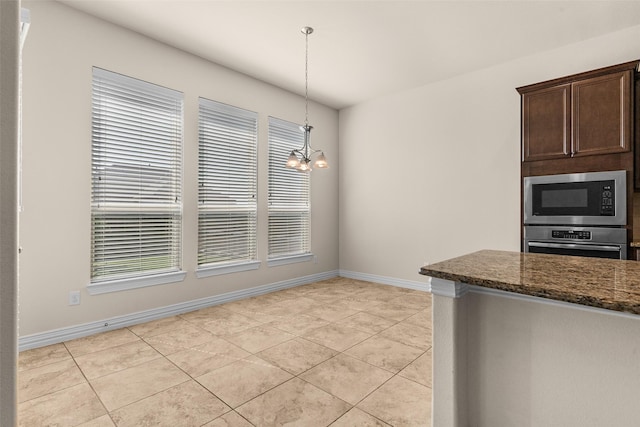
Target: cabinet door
x,y
601,121
546,123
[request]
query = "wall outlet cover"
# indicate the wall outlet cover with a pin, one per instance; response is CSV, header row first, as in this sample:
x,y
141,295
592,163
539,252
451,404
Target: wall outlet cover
x,y
74,297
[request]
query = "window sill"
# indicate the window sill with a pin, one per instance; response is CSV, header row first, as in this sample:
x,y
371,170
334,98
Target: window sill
x,y
292,259
135,282
216,270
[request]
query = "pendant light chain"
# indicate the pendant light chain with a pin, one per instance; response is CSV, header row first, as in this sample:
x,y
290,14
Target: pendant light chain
x,y
307,31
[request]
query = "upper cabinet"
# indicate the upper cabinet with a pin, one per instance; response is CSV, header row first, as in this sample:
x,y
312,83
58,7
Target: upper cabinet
x,y
581,115
601,114
546,123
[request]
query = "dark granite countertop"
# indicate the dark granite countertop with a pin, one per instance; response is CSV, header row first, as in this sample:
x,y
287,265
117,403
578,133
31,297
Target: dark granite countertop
x,y
595,282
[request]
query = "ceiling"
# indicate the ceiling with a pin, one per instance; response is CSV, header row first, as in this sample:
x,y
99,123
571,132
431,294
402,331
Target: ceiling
x,y
363,49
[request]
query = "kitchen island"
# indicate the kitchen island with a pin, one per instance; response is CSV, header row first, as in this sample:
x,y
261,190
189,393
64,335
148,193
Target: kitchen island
x,y
535,340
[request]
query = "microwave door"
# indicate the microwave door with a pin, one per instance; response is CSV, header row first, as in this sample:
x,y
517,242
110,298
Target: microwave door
x,y
569,199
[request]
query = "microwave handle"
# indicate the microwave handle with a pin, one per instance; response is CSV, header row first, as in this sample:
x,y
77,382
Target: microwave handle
x,y
575,246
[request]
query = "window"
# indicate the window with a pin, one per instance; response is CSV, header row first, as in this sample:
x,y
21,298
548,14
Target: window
x,y
289,203
136,207
227,180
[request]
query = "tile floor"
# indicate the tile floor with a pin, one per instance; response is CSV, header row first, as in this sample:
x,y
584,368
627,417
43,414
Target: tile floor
x,y
340,352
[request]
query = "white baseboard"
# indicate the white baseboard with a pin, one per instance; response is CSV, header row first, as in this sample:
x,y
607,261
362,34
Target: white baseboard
x,y
402,283
65,334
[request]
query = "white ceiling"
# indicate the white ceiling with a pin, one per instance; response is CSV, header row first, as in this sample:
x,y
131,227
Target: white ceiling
x,y
363,49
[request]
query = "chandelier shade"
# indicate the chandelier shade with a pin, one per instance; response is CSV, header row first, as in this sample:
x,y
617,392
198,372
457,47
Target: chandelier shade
x,y
301,159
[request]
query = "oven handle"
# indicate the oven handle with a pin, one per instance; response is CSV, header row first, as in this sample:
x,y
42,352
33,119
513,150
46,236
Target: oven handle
x,y
576,246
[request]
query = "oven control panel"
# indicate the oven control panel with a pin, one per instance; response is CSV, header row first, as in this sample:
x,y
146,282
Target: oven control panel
x,y
571,234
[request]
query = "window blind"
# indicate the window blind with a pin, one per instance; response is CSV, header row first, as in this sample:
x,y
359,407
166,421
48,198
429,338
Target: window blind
x,y
289,203
227,178
136,207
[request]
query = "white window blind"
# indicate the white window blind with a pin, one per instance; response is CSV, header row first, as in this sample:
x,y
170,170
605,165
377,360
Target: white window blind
x,y
136,207
289,203
227,178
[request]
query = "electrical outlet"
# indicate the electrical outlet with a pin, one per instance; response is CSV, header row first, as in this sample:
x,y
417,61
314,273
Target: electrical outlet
x,y
74,297
315,259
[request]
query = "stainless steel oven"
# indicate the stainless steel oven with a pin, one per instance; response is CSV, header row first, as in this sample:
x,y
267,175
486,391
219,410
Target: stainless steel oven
x,y
594,198
599,242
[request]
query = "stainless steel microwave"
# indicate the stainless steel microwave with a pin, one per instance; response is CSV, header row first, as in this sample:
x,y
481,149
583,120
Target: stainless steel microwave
x,y
593,198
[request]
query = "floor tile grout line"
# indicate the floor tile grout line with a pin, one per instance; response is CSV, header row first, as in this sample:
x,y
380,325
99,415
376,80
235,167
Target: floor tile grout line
x,y
371,336
69,356
89,337
394,374
290,296
191,378
363,398
235,412
369,394
379,332
49,393
386,369
330,394
159,355
148,396
342,352
232,408
161,391
91,387
58,390
257,396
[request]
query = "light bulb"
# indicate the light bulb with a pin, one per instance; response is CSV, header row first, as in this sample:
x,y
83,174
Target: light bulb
x,y
304,166
293,161
321,162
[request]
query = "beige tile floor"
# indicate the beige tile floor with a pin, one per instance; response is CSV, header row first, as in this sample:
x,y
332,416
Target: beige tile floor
x,y
340,352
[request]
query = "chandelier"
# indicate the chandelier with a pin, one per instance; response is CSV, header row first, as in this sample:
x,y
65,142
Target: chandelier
x,y
301,159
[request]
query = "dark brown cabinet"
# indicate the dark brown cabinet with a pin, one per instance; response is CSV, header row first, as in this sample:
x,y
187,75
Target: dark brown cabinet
x,y
546,124
588,115
601,114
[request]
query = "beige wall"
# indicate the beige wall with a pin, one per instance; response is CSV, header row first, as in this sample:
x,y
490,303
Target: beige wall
x,y
61,49
424,175
433,173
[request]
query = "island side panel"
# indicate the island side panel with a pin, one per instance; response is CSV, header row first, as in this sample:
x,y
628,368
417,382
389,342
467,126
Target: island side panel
x,y
539,363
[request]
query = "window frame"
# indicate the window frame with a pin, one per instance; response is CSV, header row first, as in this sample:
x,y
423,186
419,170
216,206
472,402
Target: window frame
x,y
136,169
289,192
227,172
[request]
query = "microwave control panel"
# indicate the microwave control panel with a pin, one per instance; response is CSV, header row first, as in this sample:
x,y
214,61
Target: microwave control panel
x,y
607,200
571,234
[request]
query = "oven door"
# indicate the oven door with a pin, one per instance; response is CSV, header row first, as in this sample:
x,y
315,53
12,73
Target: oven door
x,y
599,242
577,249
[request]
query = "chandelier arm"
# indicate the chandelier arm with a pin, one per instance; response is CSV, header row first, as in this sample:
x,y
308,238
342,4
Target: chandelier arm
x,y
307,156
310,149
